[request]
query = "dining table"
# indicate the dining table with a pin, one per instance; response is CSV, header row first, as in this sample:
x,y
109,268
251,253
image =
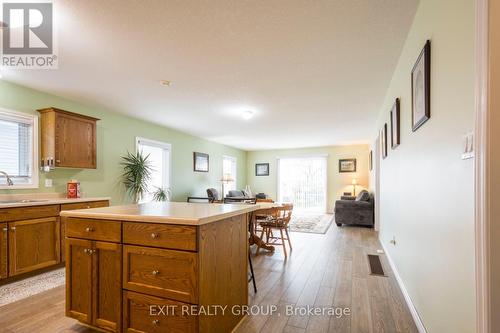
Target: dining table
x,y
266,209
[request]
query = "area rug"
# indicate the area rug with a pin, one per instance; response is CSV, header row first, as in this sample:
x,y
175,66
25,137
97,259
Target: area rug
x,y
31,286
311,223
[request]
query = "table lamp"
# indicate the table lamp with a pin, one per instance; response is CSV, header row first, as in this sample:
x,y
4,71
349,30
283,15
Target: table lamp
x,y
354,183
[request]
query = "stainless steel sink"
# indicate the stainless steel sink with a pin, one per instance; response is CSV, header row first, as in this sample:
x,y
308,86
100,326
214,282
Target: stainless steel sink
x,y
20,201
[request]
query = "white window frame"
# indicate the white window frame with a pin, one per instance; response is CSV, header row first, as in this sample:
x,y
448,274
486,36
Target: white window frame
x,y
10,115
235,160
163,145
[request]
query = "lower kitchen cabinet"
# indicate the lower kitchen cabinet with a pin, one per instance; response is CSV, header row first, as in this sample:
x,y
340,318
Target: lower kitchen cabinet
x,y
33,244
93,278
3,250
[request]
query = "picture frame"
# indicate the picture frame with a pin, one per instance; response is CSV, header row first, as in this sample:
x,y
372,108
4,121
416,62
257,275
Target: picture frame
x,y
262,169
370,160
395,124
201,162
421,88
347,165
383,141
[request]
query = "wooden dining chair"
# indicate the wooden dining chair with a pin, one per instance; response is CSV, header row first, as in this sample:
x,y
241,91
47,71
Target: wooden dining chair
x,y
279,221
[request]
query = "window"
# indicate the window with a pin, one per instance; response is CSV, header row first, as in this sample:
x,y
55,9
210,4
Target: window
x,y
18,155
229,171
302,181
159,156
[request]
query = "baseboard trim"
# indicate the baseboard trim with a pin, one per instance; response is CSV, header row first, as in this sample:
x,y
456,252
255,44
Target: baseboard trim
x,y
409,302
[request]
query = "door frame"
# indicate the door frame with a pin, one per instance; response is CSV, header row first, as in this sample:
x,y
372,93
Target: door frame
x,y
482,218
278,176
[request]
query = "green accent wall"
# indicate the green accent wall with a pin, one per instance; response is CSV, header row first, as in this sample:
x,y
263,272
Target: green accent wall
x,y
115,135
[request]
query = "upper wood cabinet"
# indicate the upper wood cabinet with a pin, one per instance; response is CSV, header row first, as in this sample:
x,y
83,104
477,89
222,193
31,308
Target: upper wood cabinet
x,y
68,139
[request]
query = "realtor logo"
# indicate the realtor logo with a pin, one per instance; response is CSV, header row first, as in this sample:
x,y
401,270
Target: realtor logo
x,y
28,39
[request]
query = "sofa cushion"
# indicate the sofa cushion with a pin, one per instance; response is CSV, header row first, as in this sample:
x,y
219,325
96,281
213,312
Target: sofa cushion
x,y
235,193
363,196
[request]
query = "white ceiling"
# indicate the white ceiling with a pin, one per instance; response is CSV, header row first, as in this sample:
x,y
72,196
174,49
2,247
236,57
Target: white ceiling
x,y
314,72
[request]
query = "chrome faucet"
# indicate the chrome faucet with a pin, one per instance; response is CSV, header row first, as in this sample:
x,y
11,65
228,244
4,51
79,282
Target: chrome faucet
x,y
9,181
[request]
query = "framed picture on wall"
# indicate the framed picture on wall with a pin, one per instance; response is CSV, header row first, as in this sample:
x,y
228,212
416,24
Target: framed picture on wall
x,y
200,162
370,160
347,165
383,141
395,125
421,88
262,169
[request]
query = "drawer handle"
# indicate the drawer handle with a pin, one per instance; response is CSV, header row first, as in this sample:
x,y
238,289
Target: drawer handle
x,y
89,229
13,228
5,229
154,235
156,322
156,272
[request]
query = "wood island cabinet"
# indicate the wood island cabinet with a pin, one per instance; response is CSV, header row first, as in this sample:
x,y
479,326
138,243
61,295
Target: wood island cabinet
x,y
118,269
68,139
93,276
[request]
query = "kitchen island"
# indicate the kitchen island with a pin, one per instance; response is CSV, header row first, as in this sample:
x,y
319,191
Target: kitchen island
x,y
158,267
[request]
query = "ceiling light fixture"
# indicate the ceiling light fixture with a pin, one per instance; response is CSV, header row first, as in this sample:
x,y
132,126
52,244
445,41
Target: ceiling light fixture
x,y
165,83
247,114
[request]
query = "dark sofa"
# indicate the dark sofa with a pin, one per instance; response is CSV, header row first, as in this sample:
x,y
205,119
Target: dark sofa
x,y
358,211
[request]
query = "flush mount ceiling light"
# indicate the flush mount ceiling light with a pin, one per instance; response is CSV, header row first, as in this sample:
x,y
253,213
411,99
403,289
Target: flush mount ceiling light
x,y
165,83
247,114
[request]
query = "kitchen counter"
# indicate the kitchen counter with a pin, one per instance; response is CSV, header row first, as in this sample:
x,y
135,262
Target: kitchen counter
x,y
182,213
12,201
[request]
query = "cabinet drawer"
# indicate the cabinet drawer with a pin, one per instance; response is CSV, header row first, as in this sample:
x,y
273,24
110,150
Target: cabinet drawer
x,y
104,230
26,213
84,205
142,314
163,273
167,236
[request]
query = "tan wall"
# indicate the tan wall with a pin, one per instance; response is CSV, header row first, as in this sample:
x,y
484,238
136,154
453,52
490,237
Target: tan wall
x,y
427,190
337,182
494,160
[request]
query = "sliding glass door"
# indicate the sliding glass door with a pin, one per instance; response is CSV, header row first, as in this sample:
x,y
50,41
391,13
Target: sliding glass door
x,y
302,181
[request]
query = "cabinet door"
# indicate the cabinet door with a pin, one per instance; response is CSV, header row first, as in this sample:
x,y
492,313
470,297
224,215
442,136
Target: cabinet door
x,y
33,244
3,250
106,302
75,143
79,279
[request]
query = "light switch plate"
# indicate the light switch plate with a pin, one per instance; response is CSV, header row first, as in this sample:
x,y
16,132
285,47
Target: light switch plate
x,y
48,182
468,146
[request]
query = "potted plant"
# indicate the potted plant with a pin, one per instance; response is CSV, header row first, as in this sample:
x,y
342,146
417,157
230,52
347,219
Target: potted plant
x,y
136,174
162,194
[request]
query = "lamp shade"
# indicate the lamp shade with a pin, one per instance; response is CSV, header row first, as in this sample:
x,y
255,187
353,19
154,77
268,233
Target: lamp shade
x,y
354,181
226,178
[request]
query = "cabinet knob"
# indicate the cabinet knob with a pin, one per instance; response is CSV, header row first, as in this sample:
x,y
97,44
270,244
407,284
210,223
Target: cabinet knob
x,y
88,206
156,272
156,322
58,161
86,251
89,229
13,228
154,235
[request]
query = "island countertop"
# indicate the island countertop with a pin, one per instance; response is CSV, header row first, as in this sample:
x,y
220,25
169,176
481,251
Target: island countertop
x,y
167,212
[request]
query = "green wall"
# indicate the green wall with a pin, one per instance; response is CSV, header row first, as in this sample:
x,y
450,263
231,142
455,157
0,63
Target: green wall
x,y
337,182
426,189
115,135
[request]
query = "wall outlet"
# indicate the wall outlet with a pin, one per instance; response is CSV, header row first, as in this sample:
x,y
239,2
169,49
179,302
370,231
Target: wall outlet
x,y
393,240
48,182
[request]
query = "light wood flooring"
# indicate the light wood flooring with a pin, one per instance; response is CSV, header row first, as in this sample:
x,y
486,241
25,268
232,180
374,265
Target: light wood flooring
x,y
322,271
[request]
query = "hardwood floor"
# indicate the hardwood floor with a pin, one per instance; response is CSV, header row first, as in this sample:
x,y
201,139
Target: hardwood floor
x,y
322,271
